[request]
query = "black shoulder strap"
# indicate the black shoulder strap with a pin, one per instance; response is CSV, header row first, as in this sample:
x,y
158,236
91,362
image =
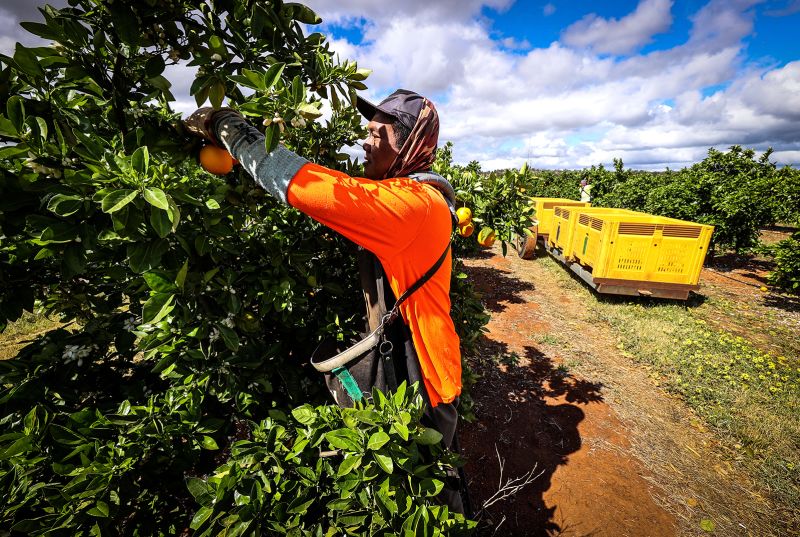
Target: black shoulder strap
x,y
392,315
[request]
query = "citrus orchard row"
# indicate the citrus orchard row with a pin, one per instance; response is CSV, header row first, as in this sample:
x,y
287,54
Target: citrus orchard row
x,y
174,395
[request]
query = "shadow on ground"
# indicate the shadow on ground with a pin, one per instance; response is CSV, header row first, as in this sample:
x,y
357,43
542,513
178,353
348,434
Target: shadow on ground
x,y
496,286
784,302
528,411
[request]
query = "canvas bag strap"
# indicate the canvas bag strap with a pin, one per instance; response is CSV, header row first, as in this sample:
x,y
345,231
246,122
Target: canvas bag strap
x,y
374,338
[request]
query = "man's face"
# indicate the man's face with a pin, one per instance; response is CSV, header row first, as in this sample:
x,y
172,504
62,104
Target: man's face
x,y
380,148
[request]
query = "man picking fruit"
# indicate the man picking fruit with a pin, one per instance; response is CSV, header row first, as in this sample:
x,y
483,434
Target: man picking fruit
x,y
402,216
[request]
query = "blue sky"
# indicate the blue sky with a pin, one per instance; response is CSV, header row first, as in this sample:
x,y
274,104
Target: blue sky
x,y
569,83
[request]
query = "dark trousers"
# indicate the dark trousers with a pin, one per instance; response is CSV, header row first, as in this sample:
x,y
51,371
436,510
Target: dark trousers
x,y
444,418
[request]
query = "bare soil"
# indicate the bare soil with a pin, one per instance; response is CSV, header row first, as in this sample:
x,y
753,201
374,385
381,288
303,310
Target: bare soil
x,y
613,453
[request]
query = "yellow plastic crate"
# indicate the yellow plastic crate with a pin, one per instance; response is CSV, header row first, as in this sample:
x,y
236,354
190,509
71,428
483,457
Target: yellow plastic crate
x,y
544,211
640,247
564,220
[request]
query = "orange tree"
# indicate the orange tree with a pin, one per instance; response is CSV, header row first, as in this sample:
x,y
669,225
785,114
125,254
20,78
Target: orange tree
x,y
190,303
498,200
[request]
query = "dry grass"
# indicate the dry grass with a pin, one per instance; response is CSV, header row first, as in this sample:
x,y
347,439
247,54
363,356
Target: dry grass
x,y
20,332
744,476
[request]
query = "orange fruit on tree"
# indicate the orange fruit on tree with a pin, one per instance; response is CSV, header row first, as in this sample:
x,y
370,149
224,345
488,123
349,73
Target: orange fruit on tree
x,y
464,216
216,160
466,230
486,237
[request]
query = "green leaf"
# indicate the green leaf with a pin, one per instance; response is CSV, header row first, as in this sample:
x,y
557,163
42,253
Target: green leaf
x,y
707,525
377,440
145,256
385,462
16,111
430,487
370,417
158,281
229,337
124,22
157,198
298,506
12,151
160,221
344,439
272,137
305,414
309,111
20,445
401,429
38,128
302,13
181,277
428,437
7,127
161,83
360,74
202,244
74,261
154,66
62,435
209,443
64,205
216,94
197,487
273,74
27,61
298,90
216,44
210,425
212,204
174,213
348,465
200,517
116,200
140,160
99,510
43,30
157,307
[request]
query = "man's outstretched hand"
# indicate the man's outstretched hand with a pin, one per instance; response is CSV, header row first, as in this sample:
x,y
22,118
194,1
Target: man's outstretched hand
x,y
199,123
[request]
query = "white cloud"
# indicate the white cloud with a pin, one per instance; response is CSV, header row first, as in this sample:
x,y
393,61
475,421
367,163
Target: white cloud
x,y
548,10
566,105
620,36
504,108
353,11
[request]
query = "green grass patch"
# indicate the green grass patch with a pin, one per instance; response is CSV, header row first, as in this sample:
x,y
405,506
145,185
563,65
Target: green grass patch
x,y
750,397
18,333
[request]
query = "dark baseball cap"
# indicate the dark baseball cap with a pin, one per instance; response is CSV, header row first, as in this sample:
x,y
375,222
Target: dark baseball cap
x,y
403,105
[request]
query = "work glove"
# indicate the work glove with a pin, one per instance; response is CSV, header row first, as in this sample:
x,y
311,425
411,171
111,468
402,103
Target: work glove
x,y
199,123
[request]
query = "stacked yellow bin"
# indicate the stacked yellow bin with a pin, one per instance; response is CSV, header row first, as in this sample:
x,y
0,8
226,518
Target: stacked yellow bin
x,y
563,225
639,247
545,207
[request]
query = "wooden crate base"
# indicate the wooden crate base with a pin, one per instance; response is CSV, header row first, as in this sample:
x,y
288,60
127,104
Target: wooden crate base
x,y
674,291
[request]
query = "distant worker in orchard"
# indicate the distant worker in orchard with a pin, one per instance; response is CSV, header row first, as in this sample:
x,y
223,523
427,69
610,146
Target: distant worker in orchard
x,y
402,216
586,190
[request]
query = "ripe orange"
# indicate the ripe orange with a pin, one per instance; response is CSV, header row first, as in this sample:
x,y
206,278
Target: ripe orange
x,y
486,237
466,230
464,216
216,160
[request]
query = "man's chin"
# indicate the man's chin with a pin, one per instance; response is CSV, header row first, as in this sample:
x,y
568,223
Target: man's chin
x,y
369,170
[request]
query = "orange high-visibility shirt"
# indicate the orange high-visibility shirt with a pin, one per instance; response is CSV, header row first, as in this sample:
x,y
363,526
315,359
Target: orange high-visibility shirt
x,y
407,225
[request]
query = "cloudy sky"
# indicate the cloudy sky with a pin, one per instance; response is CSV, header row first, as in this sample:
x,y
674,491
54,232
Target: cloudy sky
x,y
571,83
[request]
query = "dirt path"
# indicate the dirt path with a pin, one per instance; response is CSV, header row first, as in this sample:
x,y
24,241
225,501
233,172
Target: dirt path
x,y
615,455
